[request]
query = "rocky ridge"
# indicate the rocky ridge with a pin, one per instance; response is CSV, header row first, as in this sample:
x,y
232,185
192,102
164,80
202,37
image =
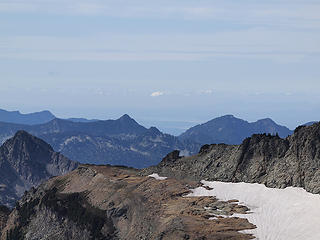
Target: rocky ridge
x,y
271,160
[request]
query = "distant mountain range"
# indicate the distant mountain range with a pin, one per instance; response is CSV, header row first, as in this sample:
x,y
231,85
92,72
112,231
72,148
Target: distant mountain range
x,y
28,119
34,118
231,130
26,161
119,142
124,141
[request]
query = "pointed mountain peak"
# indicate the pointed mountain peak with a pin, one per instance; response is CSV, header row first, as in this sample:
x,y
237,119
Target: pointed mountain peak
x,y
154,130
125,124
27,161
23,138
22,135
126,117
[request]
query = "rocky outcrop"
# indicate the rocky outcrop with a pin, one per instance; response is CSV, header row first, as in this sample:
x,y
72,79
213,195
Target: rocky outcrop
x,y
262,158
26,161
104,202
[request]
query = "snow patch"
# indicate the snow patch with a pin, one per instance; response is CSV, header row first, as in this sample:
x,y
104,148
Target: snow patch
x,y
136,150
157,139
279,214
156,176
72,139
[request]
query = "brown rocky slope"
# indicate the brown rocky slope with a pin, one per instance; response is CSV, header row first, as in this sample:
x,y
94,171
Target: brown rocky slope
x,y
103,202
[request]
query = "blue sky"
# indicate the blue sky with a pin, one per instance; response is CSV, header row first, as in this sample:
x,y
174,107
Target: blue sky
x,y
174,60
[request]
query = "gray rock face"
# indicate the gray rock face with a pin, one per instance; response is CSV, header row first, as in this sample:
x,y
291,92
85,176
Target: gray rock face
x,y
26,161
54,228
271,160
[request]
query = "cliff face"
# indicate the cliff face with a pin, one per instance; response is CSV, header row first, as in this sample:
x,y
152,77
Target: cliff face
x,y
103,202
271,160
26,161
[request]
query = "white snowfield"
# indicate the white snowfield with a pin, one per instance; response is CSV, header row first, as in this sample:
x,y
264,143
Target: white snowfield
x,y
156,176
279,214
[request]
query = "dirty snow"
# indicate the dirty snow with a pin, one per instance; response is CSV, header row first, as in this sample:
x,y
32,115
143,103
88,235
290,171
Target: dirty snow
x,y
279,214
156,176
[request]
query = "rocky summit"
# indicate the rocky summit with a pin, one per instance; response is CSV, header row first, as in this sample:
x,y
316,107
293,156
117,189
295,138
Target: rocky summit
x,y
115,203
271,160
26,161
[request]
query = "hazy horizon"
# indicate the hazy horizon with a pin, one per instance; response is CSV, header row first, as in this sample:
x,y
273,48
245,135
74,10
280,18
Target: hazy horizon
x,y
171,126
185,61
